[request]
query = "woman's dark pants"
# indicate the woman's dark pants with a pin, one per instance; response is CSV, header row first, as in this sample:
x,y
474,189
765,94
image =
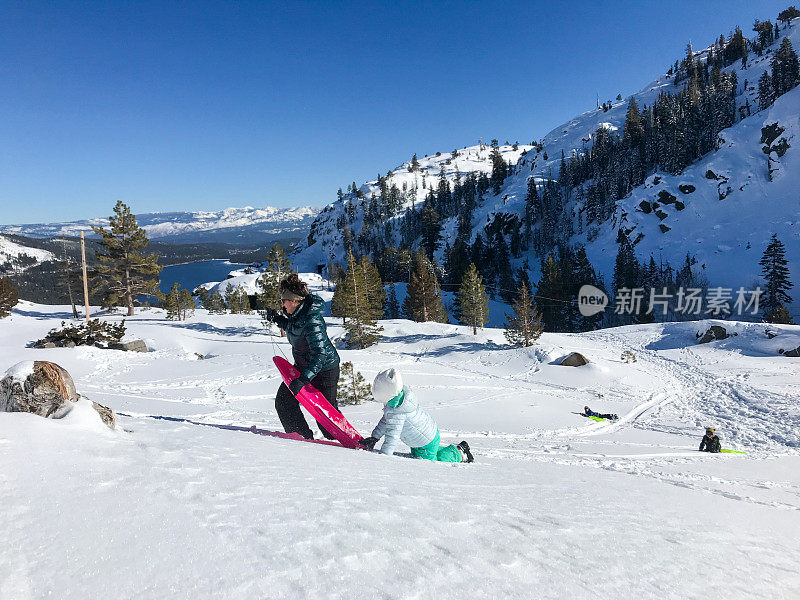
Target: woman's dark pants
x,y
288,407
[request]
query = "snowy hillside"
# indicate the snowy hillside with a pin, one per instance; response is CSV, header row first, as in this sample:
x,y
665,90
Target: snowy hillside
x,y
722,209
326,232
233,225
555,505
20,257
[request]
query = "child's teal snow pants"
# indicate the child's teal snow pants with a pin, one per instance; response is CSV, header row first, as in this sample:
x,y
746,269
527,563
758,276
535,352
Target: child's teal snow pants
x,y
433,452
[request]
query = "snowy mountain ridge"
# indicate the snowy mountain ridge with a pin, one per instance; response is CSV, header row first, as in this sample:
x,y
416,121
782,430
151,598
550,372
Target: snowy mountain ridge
x,y
233,225
722,209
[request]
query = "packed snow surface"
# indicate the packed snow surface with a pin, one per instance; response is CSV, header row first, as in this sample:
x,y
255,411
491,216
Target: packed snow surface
x,y
555,505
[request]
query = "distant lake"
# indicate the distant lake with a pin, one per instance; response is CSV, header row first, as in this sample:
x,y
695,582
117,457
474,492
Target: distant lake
x,y
190,275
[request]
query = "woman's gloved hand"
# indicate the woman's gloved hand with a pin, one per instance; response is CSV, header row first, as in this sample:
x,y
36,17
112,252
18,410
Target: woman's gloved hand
x,y
298,384
368,443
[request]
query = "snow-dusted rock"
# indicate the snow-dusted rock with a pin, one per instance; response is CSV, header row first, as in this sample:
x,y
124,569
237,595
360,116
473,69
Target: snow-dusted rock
x,y
39,387
135,346
106,415
715,332
45,389
575,359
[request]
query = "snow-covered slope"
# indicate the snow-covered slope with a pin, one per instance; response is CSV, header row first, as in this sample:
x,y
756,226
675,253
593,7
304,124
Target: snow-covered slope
x,y
740,196
233,225
555,505
327,234
20,257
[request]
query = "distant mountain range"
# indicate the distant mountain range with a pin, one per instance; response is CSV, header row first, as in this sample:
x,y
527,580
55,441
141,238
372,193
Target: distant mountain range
x,y
241,226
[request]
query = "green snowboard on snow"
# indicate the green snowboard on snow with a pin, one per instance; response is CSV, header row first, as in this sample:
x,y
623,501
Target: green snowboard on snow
x,y
598,418
726,451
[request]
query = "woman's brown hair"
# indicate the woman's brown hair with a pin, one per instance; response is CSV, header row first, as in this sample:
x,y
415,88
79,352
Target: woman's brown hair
x,y
295,285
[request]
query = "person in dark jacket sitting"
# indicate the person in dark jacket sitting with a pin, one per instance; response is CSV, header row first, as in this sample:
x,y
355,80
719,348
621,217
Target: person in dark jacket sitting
x,y
312,350
710,442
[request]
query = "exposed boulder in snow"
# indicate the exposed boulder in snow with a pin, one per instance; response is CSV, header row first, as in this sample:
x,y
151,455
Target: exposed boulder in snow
x,y
686,188
666,198
795,353
44,388
132,346
574,360
715,332
39,387
106,415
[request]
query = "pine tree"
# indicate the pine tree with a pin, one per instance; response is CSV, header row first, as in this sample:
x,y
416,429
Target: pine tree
x,y
353,388
472,303
423,296
178,303
531,210
550,295
9,296
233,298
766,91
634,130
525,327
505,273
124,273
186,303
391,308
360,298
787,15
171,302
431,228
785,69
775,270
216,303
499,170
582,273
276,268
414,163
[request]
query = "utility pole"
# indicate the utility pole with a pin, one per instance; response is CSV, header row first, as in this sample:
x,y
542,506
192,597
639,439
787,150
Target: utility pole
x,y
85,282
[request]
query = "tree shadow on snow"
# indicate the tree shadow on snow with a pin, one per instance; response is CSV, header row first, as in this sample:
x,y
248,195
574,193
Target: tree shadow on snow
x,y
673,341
222,331
64,316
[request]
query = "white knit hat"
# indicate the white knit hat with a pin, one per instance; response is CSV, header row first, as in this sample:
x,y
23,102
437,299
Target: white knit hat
x,y
387,385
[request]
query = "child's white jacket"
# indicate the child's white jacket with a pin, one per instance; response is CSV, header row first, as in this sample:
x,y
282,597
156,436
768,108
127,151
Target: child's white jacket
x,y
407,422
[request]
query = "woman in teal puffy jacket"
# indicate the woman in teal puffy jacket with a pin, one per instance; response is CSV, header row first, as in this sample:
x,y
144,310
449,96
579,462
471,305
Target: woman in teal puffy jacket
x,y
314,354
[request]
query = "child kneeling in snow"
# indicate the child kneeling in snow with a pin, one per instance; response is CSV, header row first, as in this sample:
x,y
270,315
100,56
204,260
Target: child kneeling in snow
x,y
404,420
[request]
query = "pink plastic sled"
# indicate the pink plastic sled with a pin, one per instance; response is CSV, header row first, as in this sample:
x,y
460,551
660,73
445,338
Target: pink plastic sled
x,y
319,407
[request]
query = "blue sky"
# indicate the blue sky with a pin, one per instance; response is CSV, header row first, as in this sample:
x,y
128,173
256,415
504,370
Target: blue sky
x,y
206,105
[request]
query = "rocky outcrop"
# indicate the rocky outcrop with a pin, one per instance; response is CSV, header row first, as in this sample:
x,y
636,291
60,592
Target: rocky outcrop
x,y
574,359
39,387
795,353
43,388
132,346
106,415
715,332
135,346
